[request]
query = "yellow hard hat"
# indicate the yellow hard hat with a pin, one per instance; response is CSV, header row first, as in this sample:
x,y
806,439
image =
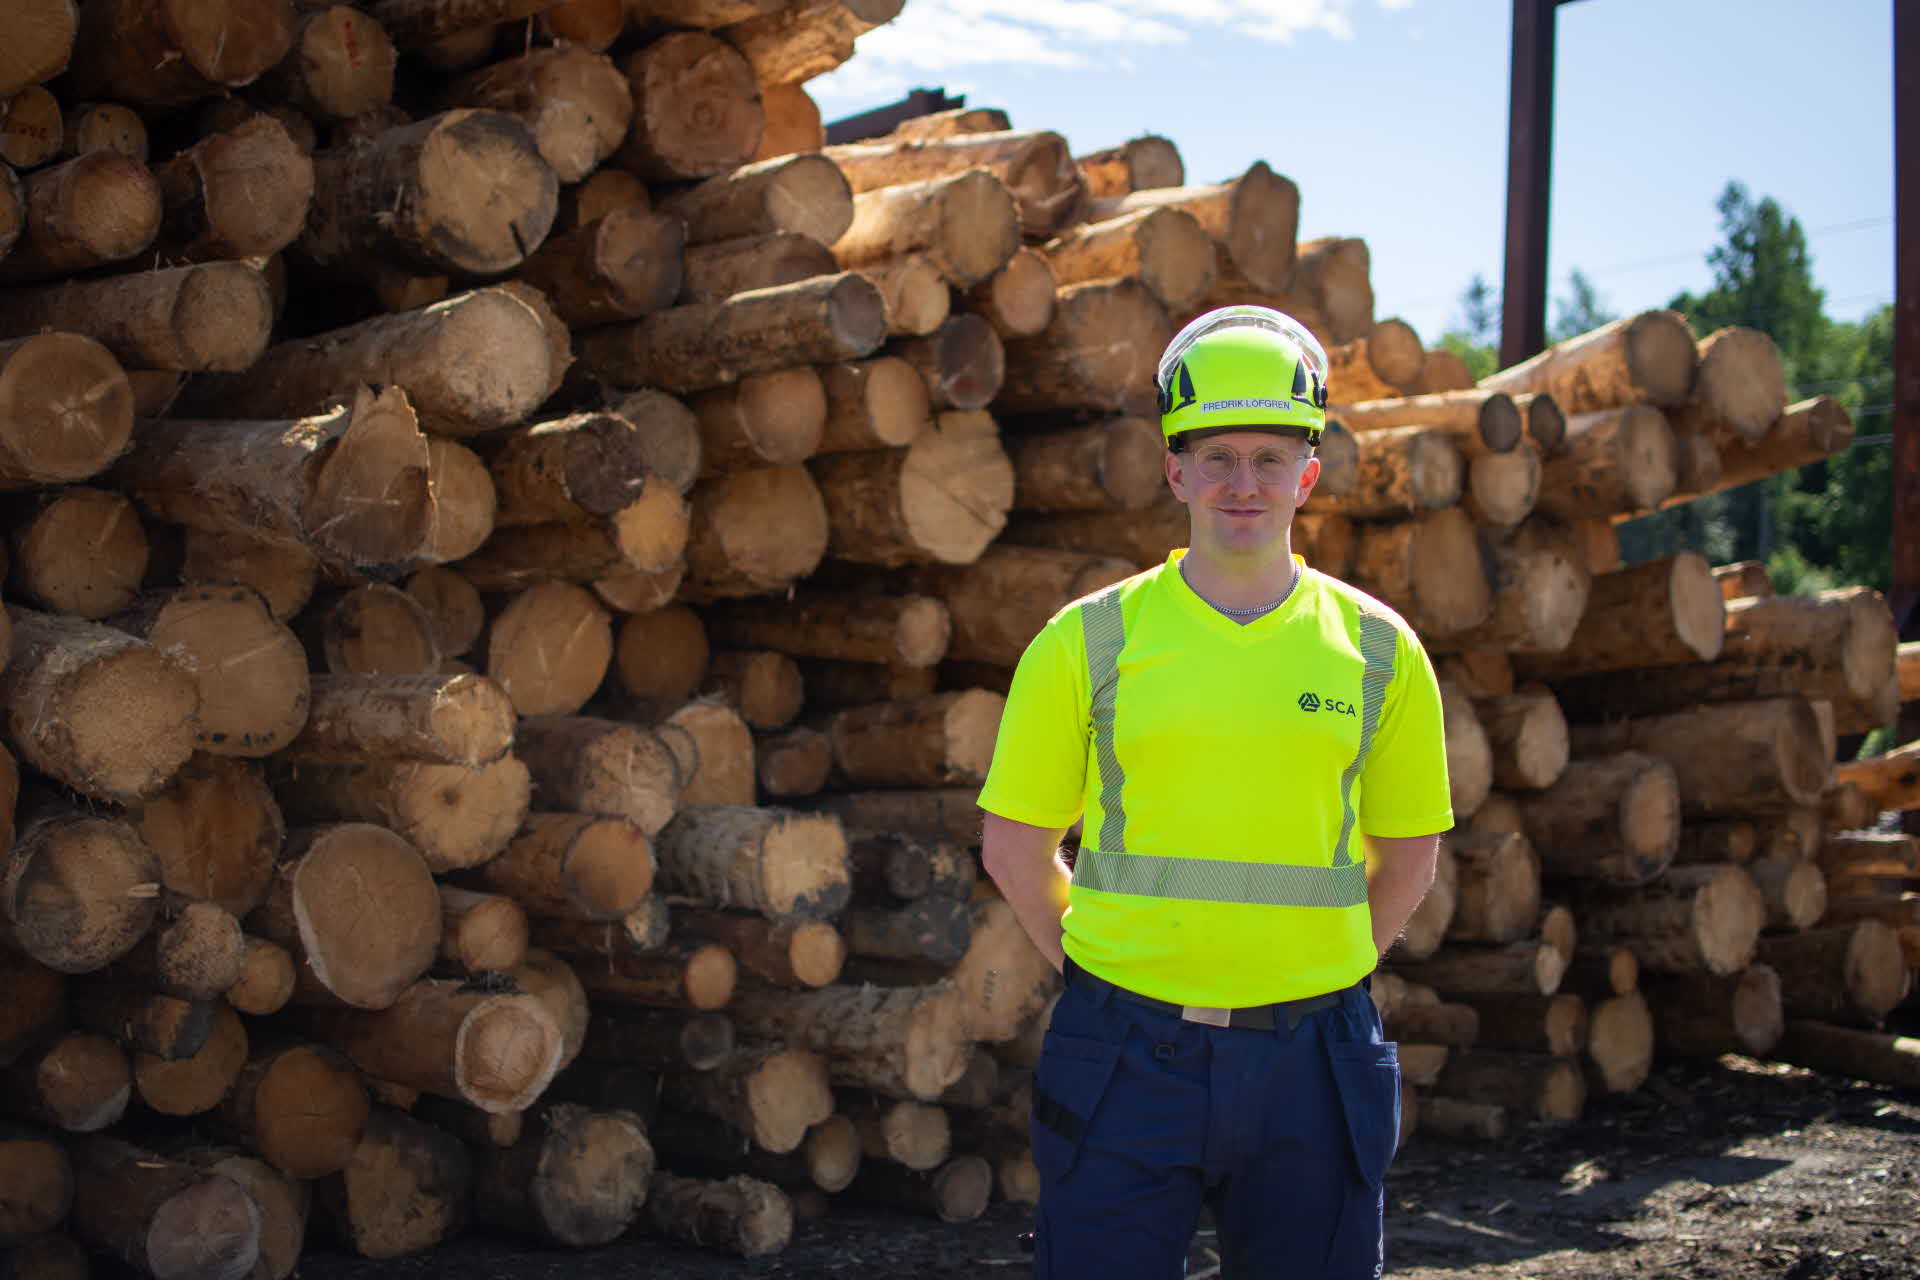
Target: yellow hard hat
x,y
1243,368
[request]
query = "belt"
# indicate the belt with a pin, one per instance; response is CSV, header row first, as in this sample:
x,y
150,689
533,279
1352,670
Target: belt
x,y
1259,1017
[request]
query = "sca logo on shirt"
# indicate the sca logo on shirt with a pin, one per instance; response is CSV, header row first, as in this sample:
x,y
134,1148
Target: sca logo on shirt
x,y
1311,701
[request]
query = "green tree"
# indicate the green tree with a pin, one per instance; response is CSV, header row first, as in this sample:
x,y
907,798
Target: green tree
x,y
1762,279
1476,338
1830,523
1580,311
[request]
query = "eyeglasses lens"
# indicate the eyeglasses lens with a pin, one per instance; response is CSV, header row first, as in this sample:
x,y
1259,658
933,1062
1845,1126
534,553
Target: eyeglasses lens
x,y
1217,463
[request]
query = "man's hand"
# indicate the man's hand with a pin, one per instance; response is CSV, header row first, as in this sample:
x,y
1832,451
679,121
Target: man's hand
x,y
1024,862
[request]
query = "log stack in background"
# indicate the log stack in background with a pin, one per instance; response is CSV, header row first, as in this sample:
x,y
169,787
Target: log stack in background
x,y
517,552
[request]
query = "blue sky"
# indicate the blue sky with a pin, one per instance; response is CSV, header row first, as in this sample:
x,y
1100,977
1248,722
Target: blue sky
x,y
1391,115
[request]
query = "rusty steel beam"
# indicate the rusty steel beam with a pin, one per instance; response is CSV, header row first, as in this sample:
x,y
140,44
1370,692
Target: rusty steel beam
x,y
1906,317
1523,290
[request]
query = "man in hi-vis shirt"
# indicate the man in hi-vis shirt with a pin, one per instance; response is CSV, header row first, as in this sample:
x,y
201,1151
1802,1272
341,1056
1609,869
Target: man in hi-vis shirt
x,y
1256,751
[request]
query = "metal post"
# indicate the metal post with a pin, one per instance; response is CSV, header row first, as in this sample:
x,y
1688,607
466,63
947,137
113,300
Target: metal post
x,y
1523,301
1906,317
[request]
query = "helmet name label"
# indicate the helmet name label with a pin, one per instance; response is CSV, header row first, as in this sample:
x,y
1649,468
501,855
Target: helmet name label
x,y
1227,406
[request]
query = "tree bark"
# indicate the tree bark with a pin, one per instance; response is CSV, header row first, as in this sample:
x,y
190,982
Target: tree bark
x,y
1529,738
162,1218
591,766
966,224
403,1191
1048,190
1165,248
1620,1043
576,1177
474,363
576,103
1139,164
1889,781
1115,462
573,866
822,319
940,740
961,363
940,500
1861,1055
76,891
1834,645
762,260
1403,472
741,1215
357,906
619,266
66,410
1476,420
1730,759
465,720
433,172
350,486
906,1042
658,1039
1018,299
1806,432
770,419
1098,352
241,193
1498,891
696,108
754,532
1694,919
341,64
803,195
785,865
1429,567
250,670
1660,612
194,319
302,1108
78,551
87,212
1613,463
492,1051
762,686
998,603
1254,218
1649,357
1520,968
1738,388
770,1092
1851,973
77,1082
1704,1015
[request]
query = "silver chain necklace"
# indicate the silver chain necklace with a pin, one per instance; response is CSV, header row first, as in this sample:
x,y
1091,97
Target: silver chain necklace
x,y
1256,610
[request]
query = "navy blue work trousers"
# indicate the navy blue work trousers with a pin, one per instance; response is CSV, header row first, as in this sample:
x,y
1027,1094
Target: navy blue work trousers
x,y
1140,1118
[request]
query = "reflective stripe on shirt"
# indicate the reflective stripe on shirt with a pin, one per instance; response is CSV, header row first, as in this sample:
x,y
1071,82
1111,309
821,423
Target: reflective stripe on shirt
x,y
1110,869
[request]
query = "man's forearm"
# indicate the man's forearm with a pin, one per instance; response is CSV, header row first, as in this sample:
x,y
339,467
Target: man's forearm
x,y
1401,874
1024,862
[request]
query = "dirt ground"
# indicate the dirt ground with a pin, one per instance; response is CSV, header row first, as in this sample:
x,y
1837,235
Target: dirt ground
x,y
1724,1170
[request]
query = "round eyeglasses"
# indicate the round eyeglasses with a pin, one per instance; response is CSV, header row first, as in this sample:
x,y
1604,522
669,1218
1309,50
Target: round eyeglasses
x,y
1217,462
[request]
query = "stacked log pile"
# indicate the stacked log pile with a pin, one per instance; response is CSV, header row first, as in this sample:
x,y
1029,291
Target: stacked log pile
x,y
516,555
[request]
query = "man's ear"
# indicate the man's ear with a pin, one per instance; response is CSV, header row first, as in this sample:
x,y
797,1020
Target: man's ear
x,y
1309,476
1177,474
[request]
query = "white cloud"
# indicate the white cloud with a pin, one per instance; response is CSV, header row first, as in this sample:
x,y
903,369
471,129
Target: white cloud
x,y
944,37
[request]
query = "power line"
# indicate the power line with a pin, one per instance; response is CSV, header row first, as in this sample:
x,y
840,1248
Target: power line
x,y
1836,228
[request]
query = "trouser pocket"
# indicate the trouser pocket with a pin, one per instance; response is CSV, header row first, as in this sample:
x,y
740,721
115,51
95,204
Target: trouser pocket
x,y
1367,1075
1068,1083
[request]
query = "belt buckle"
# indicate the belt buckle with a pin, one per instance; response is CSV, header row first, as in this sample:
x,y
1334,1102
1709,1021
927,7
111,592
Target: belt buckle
x,y
1206,1016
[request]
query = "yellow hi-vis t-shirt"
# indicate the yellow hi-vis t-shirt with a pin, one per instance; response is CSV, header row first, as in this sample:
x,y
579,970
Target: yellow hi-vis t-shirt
x,y
1227,774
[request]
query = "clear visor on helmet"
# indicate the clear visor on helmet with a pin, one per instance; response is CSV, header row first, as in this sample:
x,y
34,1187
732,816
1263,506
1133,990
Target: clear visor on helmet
x,y
1311,352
